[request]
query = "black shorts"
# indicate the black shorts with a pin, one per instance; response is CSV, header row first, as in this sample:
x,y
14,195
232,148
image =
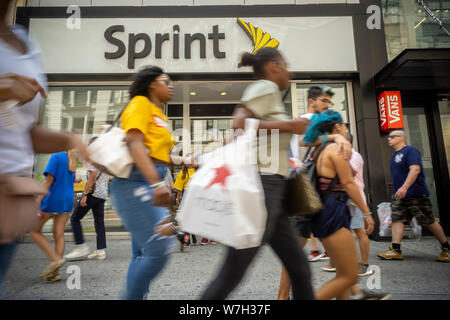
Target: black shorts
x,y
301,226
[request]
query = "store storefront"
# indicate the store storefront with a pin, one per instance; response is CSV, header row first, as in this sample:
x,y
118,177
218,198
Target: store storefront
x,y
422,78
89,68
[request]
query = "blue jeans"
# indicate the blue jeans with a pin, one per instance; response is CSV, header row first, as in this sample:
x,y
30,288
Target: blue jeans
x,y
132,199
6,255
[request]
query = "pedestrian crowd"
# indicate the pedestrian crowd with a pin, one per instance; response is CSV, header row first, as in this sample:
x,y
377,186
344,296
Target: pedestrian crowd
x,y
142,200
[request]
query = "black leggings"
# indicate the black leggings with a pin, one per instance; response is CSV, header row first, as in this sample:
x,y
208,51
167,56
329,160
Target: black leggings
x,y
280,236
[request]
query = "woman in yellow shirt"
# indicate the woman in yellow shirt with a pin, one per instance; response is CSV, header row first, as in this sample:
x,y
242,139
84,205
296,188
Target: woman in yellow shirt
x,y
142,199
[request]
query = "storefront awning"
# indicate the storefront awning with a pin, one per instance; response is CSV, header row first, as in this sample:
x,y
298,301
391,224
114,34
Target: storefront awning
x,y
417,69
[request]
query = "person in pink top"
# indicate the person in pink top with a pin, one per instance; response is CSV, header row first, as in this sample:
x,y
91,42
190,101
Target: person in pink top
x,y
357,221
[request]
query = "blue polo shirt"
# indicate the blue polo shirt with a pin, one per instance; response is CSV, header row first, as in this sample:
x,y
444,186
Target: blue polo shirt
x,y
60,198
400,162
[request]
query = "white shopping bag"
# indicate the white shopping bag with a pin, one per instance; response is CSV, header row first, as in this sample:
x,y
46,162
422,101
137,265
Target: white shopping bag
x,y
224,200
384,216
110,153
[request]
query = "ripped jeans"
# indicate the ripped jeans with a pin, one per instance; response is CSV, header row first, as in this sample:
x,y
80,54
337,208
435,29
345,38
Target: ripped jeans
x,y
150,252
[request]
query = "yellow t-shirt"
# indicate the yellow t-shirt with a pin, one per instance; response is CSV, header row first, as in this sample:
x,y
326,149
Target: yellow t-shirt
x,y
180,183
144,116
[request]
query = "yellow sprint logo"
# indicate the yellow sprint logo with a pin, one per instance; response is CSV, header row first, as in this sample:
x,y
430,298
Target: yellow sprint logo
x,y
259,38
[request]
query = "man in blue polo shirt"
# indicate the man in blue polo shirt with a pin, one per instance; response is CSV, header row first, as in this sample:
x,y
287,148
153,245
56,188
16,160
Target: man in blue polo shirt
x,y
411,197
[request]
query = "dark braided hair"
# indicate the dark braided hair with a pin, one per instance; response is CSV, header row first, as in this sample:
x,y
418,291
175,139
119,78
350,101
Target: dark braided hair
x,y
142,80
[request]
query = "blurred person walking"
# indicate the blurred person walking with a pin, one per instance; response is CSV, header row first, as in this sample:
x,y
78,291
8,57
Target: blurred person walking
x,y
319,100
142,199
262,100
411,198
332,224
180,185
57,205
22,82
94,197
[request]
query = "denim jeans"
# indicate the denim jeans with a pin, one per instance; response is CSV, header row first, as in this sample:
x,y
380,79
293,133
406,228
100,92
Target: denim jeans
x,y
6,255
98,211
150,252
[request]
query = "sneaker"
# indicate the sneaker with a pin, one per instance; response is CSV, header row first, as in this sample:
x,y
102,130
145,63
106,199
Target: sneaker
x,y
204,241
187,241
315,256
213,242
391,254
363,270
444,257
77,254
97,256
328,269
324,257
366,295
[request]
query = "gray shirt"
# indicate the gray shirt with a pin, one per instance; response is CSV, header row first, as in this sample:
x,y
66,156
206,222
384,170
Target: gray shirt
x,y
16,150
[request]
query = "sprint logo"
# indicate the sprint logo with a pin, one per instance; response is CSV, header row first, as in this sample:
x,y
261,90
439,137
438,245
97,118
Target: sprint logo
x,y
259,38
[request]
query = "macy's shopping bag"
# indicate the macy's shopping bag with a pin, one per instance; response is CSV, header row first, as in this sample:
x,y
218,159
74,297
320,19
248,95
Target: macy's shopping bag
x,y
224,200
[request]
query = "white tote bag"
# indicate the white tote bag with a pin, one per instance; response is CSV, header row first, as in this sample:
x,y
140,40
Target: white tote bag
x,y
110,153
224,199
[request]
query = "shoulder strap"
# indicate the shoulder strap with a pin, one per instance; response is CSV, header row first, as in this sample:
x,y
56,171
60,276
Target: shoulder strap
x,y
335,179
116,120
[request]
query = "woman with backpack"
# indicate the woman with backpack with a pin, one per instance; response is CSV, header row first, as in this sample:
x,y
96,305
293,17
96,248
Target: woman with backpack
x,y
332,224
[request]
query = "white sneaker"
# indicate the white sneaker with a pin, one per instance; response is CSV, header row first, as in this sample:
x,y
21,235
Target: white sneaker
x,y
77,254
98,256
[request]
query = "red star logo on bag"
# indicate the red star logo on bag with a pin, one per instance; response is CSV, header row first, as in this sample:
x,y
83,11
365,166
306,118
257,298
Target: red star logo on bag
x,y
222,173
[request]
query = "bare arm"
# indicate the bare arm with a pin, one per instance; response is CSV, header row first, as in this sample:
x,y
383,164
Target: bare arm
x,y
48,141
297,126
414,171
344,146
47,184
139,153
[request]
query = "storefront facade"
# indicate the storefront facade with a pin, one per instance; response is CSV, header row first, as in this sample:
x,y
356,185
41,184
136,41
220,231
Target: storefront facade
x,y
89,67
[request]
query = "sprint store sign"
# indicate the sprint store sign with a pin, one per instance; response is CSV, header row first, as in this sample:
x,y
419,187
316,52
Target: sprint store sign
x,y
200,45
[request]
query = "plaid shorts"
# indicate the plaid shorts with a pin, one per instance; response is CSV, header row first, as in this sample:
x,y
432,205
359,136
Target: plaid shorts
x,y
407,208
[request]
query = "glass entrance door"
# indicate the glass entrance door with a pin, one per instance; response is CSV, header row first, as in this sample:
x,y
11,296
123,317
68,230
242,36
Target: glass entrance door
x,y
444,111
417,135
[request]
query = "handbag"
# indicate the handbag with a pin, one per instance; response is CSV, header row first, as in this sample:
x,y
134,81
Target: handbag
x,y
19,211
109,152
302,198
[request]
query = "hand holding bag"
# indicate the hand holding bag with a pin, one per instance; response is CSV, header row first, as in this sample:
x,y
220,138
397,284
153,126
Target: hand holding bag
x,y
224,200
19,211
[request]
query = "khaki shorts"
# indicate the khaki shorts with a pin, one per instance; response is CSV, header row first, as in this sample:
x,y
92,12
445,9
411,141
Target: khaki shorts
x,y
407,208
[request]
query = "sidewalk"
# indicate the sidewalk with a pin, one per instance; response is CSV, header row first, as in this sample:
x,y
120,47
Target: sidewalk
x,y
418,276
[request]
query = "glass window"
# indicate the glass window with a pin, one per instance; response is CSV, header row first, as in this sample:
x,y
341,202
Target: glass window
x,y
340,98
416,129
85,110
209,134
407,25
444,109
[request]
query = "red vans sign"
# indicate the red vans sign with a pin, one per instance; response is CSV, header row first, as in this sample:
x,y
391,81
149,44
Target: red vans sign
x,y
390,110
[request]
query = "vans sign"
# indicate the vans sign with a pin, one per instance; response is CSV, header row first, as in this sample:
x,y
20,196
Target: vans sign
x,y
390,110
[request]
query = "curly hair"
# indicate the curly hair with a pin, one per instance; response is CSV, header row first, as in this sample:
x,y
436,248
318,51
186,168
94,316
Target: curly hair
x,y
142,80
